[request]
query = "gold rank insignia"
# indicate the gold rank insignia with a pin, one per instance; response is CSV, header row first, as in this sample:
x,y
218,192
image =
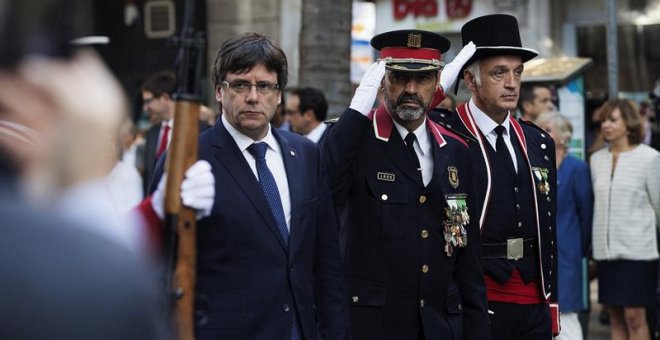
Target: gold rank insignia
x,y
453,176
542,176
414,40
454,225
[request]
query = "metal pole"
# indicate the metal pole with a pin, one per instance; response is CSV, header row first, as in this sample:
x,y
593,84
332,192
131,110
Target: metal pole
x,y
612,45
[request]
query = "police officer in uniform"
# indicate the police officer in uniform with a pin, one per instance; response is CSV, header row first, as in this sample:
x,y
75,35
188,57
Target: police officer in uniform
x,y
401,185
514,174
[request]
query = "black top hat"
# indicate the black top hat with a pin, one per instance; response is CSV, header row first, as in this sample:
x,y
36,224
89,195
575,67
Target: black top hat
x,y
494,35
410,50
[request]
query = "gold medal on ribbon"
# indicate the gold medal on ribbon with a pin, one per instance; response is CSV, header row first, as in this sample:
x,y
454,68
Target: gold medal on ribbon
x,y
542,176
456,218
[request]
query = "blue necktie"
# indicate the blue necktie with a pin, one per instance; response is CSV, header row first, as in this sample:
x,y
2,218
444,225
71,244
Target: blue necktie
x,y
268,185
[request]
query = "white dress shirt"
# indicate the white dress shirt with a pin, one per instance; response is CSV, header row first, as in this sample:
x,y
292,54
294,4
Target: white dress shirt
x,y
317,132
422,149
273,160
487,126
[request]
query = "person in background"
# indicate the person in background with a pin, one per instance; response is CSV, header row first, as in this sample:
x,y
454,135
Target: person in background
x,y
449,103
279,120
306,110
626,212
131,146
534,99
651,134
124,183
574,217
207,115
157,91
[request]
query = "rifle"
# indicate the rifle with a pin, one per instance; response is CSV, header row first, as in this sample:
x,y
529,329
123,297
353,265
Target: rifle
x,y
180,221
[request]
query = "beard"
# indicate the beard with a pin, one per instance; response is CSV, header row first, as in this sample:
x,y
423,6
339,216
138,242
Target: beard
x,y
405,112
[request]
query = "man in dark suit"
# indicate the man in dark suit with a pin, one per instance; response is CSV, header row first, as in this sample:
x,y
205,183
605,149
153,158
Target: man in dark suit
x,y
268,261
157,91
514,172
306,110
406,205
157,101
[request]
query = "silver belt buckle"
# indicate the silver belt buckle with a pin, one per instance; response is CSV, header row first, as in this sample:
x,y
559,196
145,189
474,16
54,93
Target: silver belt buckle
x,y
514,248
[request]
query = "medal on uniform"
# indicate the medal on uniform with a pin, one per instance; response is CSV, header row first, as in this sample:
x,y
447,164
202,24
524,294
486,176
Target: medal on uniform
x,y
542,176
454,226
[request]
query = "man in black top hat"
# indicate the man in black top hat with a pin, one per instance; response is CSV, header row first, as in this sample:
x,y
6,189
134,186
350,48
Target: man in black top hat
x,y
401,187
514,174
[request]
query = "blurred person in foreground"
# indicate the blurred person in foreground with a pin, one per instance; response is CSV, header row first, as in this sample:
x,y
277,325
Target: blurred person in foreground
x,y
268,261
626,211
65,275
401,185
574,217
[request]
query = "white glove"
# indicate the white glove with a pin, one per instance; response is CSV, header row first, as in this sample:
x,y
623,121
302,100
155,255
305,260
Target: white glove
x,y
197,190
367,91
449,73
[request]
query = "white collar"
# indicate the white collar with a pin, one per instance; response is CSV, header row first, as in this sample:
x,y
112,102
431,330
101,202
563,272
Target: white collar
x,y
317,132
420,133
244,141
486,124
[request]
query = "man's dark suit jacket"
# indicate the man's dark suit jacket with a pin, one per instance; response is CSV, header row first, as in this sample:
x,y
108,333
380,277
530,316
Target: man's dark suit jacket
x,y
401,281
248,283
151,143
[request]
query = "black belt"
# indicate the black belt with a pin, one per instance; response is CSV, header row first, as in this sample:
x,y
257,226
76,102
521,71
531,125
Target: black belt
x,y
512,249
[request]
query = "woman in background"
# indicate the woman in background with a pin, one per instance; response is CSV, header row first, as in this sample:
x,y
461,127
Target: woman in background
x,y
626,184
574,215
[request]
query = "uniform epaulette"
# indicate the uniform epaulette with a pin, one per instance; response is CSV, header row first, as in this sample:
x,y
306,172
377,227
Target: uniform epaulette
x,y
530,124
440,113
460,134
331,121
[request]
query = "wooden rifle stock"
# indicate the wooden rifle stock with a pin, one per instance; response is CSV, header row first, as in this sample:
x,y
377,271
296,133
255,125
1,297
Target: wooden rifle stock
x,y
182,154
181,231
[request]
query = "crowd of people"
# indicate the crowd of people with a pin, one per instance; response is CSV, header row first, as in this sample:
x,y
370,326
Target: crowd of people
x,y
412,216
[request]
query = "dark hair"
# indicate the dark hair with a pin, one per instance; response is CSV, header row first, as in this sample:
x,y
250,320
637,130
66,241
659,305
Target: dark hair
x,y
36,27
527,94
630,116
160,83
311,98
241,53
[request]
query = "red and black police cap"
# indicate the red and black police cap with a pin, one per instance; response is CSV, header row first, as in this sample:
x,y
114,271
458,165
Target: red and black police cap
x,y
411,50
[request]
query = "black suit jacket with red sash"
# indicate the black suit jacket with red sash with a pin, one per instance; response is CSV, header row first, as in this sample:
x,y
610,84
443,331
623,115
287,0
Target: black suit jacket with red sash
x,y
539,152
401,281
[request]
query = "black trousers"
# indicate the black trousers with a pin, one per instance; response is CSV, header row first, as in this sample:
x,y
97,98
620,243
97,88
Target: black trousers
x,y
511,321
